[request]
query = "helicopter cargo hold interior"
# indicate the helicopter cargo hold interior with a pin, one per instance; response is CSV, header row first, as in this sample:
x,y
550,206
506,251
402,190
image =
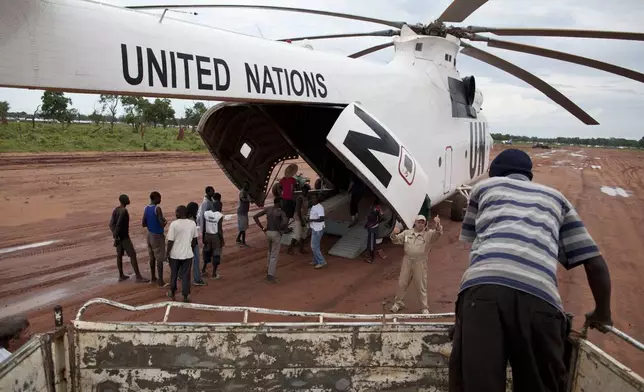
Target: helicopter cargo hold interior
x,y
250,140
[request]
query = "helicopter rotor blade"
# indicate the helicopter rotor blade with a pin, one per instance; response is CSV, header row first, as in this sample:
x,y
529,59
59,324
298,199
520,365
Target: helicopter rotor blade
x,y
538,32
274,8
529,78
371,50
459,10
554,54
381,33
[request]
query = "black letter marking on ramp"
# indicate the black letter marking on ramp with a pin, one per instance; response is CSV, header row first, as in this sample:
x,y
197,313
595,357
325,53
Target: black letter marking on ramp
x,y
360,144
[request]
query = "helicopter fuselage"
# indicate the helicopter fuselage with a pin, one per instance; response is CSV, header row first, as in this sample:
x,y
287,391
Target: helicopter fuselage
x,y
306,98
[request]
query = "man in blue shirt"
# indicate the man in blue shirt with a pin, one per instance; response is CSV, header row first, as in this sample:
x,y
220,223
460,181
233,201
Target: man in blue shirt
x,y
155,222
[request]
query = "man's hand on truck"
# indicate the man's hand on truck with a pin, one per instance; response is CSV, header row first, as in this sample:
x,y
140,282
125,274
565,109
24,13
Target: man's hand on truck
x,y
599,282
598,320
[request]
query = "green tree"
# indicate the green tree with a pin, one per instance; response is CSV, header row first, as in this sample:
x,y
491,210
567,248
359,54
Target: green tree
x,y
641,143
54,106
4,110
96,117
110,103
160,112
136,110
71,115
575,141
194,114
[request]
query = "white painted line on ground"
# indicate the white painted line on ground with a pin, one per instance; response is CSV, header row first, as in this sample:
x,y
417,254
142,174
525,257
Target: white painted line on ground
x,y
615,191
28,246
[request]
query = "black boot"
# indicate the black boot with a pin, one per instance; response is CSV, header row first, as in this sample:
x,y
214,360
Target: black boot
x,y
239,240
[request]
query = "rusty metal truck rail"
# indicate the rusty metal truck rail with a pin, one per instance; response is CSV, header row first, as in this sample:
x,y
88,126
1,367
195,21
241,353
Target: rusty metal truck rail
x,y
322,317
333,352
628,339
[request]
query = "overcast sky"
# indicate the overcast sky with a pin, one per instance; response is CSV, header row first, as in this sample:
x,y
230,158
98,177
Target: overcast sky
x,y
511,106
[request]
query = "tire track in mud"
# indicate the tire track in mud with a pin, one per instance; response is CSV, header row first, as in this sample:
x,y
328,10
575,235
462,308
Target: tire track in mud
x,y
42,251
42,231
52,270
43,285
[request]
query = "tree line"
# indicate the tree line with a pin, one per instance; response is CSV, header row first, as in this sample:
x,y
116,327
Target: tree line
x,y
601,141
139,111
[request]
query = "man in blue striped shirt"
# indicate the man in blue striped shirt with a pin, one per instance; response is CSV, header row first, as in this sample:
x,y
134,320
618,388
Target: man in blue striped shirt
x,y
509,306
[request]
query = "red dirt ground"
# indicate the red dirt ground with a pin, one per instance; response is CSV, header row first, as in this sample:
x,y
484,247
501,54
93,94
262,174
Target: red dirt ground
x,y
68,198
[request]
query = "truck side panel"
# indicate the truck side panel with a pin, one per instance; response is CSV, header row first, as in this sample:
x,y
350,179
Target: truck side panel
x,y
132,357
597,371
28,369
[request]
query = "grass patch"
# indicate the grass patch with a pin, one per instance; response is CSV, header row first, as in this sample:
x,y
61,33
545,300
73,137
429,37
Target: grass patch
x,y
21,137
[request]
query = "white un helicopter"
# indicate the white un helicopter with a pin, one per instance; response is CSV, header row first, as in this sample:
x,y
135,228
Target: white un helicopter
x,y
412,129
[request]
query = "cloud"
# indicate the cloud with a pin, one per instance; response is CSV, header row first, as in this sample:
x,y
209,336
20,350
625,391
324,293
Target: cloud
x,y
511,106
508,104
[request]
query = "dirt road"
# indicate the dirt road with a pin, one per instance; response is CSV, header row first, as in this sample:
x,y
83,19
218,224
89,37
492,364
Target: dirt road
x,y
58,205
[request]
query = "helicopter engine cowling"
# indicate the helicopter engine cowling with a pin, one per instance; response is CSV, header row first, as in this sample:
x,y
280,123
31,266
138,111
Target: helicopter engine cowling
x,y
470,89
478,101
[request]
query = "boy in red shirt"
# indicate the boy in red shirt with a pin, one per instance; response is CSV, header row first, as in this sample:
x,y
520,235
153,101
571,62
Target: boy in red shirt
x,y
287,185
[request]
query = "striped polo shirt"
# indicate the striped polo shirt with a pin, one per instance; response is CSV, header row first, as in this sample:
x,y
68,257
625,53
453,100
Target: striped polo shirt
x,y
519,232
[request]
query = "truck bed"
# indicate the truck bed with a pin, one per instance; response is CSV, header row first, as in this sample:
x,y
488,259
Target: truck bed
x,y
306,351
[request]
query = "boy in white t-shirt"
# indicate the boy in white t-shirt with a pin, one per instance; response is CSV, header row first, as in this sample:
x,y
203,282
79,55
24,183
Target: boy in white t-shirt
x,y
213,238
182,239
316,222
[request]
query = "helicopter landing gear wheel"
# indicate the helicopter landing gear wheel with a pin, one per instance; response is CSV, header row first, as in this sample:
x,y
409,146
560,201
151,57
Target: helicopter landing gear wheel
x,y
459,204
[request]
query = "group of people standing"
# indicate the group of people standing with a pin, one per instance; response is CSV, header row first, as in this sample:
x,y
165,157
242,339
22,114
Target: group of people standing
x,y
291,205
179,248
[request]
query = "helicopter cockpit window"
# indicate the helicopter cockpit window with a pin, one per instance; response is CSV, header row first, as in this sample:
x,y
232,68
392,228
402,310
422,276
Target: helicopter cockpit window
x,y
245,150
409,165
